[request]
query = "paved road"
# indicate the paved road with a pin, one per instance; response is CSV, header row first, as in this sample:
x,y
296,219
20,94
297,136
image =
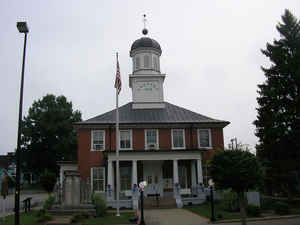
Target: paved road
x,y
173,216
9,202
295,221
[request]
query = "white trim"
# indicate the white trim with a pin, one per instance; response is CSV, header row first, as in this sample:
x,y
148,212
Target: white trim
x,y
104,181
92,141
157,155
172,130
209,138
131,143
157,140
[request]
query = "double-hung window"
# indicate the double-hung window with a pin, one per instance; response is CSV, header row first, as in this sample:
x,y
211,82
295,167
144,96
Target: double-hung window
x,y
98,140
178,139
98,179
151,139
204,138
125,139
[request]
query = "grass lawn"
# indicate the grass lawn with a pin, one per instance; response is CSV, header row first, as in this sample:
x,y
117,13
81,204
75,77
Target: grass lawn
x,y
111,218
30,219
25,219
204,210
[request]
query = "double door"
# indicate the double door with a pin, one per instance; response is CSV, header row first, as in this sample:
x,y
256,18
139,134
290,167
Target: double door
x,y
153,176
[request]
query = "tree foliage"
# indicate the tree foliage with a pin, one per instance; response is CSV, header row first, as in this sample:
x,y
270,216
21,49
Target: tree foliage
x,y
277,123
237,170
48,135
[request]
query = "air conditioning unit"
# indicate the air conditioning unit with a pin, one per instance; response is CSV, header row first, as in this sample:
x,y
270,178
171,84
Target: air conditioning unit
x,y
152,146
98,147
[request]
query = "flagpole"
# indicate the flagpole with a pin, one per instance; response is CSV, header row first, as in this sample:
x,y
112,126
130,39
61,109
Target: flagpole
x,y
117,150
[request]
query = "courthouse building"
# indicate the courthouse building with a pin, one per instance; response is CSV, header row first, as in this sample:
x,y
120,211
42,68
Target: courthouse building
x,y
160,142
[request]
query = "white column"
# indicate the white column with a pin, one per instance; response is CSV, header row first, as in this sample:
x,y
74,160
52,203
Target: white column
x,y
61,174
110,173
109,192
175,171
199,171
134,172
193,173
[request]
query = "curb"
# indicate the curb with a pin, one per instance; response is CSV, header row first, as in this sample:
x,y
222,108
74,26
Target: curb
x,y
258,219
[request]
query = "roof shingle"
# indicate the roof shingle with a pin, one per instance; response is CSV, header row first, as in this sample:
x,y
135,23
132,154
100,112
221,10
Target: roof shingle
x,y
170,114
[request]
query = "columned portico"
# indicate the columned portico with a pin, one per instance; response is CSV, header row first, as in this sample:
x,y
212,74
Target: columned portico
x,y
152,172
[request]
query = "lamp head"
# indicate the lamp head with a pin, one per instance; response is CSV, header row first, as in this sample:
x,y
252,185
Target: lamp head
x,y
22,27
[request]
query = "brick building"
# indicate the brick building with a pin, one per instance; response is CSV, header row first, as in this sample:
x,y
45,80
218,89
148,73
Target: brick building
x,y
161,143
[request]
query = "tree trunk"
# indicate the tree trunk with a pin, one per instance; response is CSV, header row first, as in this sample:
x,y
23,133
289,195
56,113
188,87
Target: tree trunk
x,y
242,207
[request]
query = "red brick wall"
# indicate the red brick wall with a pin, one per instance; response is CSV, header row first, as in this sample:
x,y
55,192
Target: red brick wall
x,y
164,138
88,158
138,139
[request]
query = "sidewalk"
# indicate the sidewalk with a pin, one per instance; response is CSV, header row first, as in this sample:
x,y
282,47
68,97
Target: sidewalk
x,y
281,221
173,216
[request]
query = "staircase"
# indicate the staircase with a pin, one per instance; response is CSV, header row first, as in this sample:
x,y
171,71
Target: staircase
x,y
159,203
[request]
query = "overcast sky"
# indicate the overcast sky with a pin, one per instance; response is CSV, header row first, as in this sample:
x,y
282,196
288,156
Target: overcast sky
x,y
211,55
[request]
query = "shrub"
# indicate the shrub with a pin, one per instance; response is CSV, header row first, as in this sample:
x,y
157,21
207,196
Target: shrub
x,y
43,216
267,203
48,180
99,204
49,202
230,201
281,208
253,210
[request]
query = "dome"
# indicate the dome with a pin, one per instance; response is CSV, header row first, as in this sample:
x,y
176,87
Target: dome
x,y
145,42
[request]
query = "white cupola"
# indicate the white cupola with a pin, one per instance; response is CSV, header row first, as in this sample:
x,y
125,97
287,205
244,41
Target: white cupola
x,y
146,80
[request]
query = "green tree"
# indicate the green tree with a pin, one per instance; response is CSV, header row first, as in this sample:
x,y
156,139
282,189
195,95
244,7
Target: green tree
x,y
48,135
277,123
238,170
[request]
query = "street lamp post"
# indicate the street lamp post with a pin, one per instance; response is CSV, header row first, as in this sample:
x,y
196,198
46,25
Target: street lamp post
x,y
211,185
142,185
22,27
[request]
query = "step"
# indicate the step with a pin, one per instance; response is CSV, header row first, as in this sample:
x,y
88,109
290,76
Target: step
x,y
70,212
163,203
60,220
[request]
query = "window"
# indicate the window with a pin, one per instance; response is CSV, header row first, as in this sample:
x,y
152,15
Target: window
x,y
178,139
125,139
125,178
155,63
98,178
137,63
151,137
146,61
98,140
204,138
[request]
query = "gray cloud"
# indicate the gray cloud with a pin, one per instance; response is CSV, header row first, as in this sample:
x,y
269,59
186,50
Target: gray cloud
x,y
211,55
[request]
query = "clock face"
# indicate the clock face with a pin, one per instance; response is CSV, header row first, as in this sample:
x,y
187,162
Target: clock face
x,y
147,86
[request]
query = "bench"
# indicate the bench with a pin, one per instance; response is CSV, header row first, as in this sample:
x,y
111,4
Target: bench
x,y
27,204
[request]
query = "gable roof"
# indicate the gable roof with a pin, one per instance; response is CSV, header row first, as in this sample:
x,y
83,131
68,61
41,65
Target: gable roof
x,y
170,114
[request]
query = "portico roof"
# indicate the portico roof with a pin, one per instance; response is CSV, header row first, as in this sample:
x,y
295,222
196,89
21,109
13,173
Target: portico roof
x,y
170,114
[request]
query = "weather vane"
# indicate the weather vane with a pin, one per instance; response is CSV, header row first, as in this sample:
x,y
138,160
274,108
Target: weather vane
x,y
145,31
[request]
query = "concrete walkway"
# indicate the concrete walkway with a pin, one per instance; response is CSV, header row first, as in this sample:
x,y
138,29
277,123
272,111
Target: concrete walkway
x,y
173,216
283,221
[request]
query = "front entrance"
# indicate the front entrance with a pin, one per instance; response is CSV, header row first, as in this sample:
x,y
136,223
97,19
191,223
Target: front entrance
x,y
153,176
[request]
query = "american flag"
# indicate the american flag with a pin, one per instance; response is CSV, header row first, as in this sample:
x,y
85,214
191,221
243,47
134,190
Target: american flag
x,y
118,83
